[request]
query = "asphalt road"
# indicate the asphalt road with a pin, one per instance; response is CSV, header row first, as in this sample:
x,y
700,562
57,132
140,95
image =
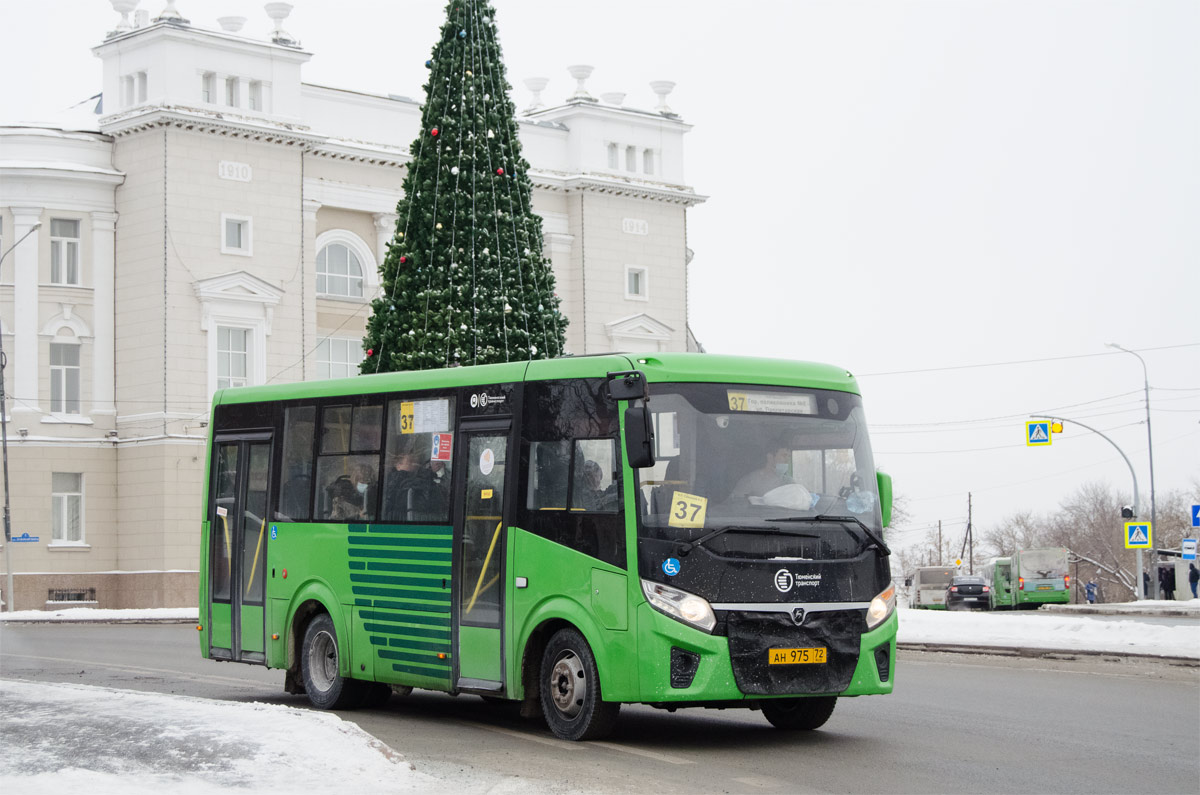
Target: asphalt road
x,y
956,723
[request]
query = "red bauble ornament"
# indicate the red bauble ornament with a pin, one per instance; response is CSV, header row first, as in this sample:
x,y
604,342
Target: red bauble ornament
x,y
500,171
403,260
370,351
434,132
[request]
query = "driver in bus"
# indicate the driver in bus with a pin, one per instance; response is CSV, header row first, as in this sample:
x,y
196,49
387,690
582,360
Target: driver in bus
x,y
771,483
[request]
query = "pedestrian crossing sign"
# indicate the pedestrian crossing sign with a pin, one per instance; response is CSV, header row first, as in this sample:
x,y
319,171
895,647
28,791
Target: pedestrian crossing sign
x,y
1137,535
1037,433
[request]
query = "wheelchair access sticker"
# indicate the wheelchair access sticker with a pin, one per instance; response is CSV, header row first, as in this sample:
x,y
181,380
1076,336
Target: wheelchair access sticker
x,y
687,510
670,567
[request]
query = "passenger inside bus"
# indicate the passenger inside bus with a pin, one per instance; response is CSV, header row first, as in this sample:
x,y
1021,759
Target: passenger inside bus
x,y
411,490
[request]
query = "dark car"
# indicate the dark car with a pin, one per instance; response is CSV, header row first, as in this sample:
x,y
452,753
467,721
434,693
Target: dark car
x,y
965,592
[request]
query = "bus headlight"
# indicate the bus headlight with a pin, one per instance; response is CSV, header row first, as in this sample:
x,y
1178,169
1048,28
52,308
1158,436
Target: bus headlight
x,y
680,605
881,606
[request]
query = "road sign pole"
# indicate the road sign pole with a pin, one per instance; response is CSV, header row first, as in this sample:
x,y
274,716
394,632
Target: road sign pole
x,y
1137,587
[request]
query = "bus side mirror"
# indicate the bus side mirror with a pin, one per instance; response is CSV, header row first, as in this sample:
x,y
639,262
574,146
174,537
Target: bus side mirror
x,y
885,496
629,385
639,437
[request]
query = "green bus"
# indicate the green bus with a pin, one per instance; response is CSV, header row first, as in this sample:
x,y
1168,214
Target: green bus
x,y
572,534
1029,579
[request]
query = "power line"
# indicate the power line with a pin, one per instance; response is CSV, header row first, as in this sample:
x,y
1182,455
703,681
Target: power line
x,y
1020,361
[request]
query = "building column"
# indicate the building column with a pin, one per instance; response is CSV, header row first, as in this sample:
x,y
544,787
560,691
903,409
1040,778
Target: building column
x,y
104,274
385,229
308,288
26,264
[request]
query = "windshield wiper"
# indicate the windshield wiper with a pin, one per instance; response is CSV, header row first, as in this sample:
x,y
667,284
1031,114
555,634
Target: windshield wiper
x,y
690,545
875,539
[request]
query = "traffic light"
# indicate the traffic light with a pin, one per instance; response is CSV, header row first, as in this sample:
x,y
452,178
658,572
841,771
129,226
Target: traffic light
x,y
1126,512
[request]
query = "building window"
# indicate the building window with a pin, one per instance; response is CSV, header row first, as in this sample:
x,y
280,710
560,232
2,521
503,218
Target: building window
x,y
141,87
338,358
233,357
613,156
648,161
67,507
631,158
64,251
208,87
127,90
64,378
236,235
231,92
255,97
637,283
339,272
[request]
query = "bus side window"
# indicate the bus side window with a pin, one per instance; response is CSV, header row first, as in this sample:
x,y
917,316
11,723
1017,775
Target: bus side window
x,y
594,476
419,460
549,465
571,467
347,486
295,491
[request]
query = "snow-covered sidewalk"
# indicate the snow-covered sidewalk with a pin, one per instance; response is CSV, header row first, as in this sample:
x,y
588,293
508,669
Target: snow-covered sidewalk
x,y
1125,633
77,738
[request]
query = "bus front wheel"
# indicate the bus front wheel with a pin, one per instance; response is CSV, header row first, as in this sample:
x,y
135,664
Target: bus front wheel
x,y
570,690
799,713
319,667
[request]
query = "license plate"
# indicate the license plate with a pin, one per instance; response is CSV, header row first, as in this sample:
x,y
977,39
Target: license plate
x,y
794,656
1045,587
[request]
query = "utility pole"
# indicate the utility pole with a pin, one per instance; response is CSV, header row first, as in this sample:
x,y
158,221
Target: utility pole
x,y
8,585
939,542
968,540
971,536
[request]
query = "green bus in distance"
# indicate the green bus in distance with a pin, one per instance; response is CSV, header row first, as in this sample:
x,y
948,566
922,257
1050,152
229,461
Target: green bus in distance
x,y
572,534
1029,579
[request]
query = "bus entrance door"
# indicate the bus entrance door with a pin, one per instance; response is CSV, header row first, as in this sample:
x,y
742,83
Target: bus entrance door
x,y
238,547
479,562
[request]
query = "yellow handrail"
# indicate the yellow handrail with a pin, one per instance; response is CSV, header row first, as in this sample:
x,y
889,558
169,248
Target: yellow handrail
x,y
483,571
228,549
257,548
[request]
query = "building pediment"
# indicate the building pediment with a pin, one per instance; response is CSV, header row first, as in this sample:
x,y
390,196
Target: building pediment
x,y
238,286
237,295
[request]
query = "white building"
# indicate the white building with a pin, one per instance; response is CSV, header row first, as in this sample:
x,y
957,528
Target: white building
x,y
189,222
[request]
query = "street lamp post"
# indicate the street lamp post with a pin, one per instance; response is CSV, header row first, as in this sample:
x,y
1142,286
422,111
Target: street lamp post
x,y
1137,586
10,601
1149,441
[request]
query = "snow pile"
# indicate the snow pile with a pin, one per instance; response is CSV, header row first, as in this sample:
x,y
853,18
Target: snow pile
x,y
76,738
1052,630
96,614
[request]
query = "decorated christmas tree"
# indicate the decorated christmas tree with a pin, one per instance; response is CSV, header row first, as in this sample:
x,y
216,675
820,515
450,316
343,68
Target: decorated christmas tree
x,y
464,280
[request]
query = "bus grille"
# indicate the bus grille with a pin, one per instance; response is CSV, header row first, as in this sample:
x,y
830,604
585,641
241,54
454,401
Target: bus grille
x,y
751,635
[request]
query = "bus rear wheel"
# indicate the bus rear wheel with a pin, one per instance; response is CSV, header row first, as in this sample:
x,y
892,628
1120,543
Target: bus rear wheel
x,y
570,690
319,668
803,714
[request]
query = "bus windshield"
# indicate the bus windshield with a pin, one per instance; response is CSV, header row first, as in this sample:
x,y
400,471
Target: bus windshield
x,y
782,472
1044,563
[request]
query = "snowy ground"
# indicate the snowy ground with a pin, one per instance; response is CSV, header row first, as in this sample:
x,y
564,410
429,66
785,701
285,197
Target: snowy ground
x,y
186,746
162,743
1119,631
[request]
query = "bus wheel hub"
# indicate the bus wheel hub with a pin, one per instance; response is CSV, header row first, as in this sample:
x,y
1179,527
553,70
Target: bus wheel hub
x,y
568,685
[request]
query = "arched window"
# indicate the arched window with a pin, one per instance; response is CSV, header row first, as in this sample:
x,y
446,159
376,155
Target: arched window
x,y
339,271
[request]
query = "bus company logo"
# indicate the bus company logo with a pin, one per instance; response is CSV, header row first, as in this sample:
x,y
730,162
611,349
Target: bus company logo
x,y
784,581
482,400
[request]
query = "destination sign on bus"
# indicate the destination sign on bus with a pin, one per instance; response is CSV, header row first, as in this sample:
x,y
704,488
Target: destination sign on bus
x,y
772,402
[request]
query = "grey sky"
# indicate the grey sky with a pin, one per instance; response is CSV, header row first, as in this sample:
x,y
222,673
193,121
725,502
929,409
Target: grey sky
x,y
901,188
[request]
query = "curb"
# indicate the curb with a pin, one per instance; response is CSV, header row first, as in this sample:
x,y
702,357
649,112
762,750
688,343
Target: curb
x,y
1052,654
